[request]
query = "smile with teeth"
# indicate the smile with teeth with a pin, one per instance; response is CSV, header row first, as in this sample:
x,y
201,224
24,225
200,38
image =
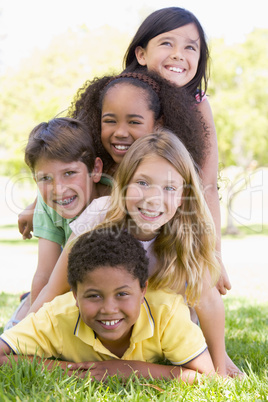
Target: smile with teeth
x,y
150,214
176,69
122,147
66,201
110,323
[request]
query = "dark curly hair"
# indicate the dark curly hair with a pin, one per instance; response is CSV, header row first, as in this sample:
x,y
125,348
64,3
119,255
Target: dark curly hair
x,y
173,104
107,247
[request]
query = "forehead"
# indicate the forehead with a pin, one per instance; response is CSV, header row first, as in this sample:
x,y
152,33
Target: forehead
x,y
124,87
45,164
118,276
187,32
158,166
126,97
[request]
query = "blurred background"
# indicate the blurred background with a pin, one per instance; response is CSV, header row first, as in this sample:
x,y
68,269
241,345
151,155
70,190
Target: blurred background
x,y
49,49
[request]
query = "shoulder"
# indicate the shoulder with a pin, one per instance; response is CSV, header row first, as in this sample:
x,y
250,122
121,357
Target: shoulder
x,y
165,303
199,98
91,216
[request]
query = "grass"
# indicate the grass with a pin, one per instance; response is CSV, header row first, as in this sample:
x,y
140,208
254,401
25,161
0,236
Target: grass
x,y
243,231
247,345
246,342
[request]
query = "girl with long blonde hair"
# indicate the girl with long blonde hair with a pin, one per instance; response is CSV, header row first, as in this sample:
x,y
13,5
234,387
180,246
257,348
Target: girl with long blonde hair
x,y
185,245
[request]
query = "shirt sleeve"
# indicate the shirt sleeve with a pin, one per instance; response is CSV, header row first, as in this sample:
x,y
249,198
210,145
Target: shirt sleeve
x,y
48,224
37,333
91,216
182,340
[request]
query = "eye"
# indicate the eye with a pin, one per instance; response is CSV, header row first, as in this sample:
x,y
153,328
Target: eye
x,y
44,178
135,122
93,296
170,188
165,43
191,47
121,294
109,121
69,173
142,183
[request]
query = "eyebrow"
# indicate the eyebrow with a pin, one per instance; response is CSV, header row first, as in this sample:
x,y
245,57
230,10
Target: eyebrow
x,y
128,115
98,290
144,176
193,41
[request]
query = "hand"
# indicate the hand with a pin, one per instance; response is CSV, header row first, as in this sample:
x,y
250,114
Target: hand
x,y
100,370
223,283
25,222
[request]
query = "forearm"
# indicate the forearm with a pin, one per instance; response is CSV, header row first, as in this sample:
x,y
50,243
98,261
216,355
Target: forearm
x,y
48,256
57,284
38,283
212,199
212,321
125,368
49,363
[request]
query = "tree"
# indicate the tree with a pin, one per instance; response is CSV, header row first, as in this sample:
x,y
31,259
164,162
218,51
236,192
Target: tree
x,y
239,91
44,84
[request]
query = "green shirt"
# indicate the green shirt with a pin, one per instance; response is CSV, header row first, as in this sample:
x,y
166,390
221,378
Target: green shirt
x,y
49,225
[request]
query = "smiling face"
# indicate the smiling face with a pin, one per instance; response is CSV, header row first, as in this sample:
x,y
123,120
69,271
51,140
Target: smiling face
x,y
125,118
110,308
153,196
66,187
174,54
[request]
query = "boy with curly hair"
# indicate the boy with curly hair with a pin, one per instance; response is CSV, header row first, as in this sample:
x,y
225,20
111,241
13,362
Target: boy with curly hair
x,y
106,325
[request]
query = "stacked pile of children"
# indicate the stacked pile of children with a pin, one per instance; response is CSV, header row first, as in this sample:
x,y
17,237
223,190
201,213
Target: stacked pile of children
x,y
129,181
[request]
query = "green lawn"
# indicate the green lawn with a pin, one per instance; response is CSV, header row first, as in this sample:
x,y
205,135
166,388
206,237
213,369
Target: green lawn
x,y
246,342
247,345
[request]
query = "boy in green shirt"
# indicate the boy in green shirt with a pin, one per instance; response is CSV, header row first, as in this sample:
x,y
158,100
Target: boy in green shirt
x,y
63,162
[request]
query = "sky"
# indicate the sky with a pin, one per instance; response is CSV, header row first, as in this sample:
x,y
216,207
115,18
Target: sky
x,y
29,24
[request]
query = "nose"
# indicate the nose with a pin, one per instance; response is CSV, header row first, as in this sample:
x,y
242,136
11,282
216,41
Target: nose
x,y
177,53
121,131
58,187
109,306
153,196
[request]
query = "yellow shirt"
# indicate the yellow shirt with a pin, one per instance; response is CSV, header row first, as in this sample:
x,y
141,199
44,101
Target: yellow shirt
x,y
163,330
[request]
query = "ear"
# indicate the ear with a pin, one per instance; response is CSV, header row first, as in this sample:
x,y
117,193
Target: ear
x,y
159,123
140,55
75,296
97,170
144,291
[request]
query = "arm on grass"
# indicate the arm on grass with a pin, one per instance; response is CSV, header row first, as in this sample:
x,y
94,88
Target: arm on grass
x,y
209,176
58,283
7,356
25,221
188,373
211,315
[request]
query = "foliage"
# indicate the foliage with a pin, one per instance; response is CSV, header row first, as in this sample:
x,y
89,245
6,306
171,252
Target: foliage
x,y
239,90
247,345
44,85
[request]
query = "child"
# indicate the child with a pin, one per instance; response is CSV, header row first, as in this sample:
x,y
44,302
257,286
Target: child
x,y
120,109
157,197
109,327
125,107
171,41
62,158
128,106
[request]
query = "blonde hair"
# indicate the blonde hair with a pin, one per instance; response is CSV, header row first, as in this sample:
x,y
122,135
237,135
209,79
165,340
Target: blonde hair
x,y
185,246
